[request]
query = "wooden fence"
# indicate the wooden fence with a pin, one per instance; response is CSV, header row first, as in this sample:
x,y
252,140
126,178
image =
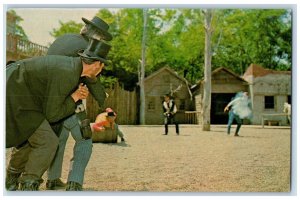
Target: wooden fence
x,y
20,49
123,102
192,117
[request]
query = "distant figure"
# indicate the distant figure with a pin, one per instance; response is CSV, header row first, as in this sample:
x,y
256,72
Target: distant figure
x,y
170,110
105,122
240,109
287,110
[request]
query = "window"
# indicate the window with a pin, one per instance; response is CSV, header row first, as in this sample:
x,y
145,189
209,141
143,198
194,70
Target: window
x,y
151,103
289,99
269,102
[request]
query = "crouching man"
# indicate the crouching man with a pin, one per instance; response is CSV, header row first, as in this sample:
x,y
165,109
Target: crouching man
x,y
105,128
40,91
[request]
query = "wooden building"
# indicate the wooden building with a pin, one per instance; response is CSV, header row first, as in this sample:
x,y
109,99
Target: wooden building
x,y
269,90
166,81
225,84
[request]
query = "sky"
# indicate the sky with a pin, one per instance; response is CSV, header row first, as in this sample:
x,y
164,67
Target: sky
x,y
38,23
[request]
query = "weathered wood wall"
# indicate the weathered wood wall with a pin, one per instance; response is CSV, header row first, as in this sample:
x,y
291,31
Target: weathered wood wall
x,y
159,84
123,102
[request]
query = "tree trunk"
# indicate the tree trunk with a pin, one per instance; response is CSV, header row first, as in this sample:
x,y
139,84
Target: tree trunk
x,y
207,72
142,87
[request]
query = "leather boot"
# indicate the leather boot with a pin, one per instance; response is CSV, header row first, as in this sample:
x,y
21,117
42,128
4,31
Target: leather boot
x,y
166,129
55,184
177,128
237,130
73,186
30,185
11,181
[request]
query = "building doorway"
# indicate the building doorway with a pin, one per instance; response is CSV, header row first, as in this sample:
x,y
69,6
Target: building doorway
x,y
218,103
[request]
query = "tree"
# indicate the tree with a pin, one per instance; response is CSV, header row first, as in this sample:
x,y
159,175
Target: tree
x,y
175,37
142,75
17,28
207,72
261,36
68,27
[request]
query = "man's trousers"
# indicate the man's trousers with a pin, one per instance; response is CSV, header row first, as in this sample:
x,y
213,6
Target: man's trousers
x,y
233,116
33,158
81,152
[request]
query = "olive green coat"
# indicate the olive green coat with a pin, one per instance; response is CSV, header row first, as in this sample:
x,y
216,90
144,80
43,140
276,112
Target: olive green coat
x,y
69,45
37,89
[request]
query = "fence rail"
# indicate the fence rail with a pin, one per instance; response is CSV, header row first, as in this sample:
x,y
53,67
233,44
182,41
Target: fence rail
x,y
192,117
22,47
268,117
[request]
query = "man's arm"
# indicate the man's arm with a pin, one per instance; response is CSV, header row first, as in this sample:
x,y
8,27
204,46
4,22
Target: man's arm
x,y
230,103
61,97
97,90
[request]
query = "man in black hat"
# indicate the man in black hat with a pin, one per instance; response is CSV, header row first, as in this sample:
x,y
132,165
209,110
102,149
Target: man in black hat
x,y
170,110
70,45
40,91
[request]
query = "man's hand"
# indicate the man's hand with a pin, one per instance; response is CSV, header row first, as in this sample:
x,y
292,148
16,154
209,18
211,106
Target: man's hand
x,y
81,93
226,109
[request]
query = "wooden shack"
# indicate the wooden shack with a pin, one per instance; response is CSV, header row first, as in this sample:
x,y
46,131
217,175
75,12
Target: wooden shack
x,y
225,84
159,83
269,90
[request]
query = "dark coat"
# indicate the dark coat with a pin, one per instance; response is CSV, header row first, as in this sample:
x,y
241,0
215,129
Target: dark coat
x,y
37,89
69,45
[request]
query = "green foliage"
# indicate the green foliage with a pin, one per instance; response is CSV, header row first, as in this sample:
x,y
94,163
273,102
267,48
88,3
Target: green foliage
x,y
108,81
17,29
68,27
175,38
254,36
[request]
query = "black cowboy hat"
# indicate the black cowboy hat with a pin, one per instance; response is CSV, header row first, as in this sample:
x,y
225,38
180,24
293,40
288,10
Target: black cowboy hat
x,y
101,26
111,114
96,50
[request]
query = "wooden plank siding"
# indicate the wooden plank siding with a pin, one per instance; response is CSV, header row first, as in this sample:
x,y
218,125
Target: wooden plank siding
x,y
123,102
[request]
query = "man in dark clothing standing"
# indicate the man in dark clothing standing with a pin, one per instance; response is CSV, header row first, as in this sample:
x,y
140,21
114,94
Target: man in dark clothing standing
x,y
170,109
40,91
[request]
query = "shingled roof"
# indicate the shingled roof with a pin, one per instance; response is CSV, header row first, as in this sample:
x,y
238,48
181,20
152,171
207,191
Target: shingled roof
x,y
258,71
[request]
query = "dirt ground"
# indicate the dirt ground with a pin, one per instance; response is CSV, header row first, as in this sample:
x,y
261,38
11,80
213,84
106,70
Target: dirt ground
x,y
194,161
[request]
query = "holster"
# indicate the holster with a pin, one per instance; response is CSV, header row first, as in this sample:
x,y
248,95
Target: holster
x,y
86,130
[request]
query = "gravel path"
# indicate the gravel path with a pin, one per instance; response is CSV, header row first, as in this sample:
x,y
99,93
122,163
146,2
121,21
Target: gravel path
x,y
195,161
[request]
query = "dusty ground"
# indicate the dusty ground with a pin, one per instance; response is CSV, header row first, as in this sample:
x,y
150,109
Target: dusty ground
x,y
195,161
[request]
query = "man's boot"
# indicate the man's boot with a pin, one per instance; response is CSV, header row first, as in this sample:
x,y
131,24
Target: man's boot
x,y
30,185
11,181
237,130
55,184
166,129
73,186
228,130
177,128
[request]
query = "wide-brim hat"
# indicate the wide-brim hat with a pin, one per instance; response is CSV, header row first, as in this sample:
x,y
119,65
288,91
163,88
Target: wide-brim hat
x,y
96,50
111,114
100,25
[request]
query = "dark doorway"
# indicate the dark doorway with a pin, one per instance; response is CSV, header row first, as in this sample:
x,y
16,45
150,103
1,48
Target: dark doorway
x,y
218,103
